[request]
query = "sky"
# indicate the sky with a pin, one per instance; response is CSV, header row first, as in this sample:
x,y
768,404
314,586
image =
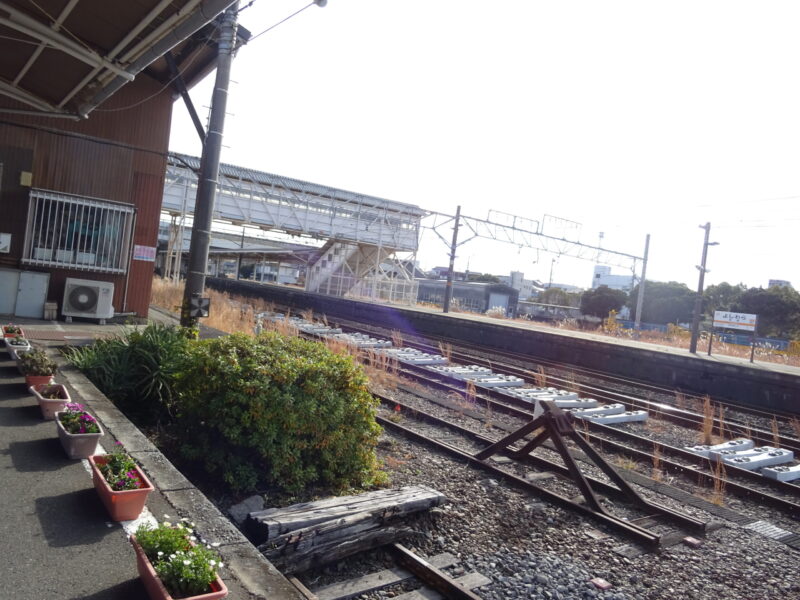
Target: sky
x,y
629,118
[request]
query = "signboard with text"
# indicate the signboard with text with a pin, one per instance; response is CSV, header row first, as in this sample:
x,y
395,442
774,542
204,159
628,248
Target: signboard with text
x,y
724,319
147,253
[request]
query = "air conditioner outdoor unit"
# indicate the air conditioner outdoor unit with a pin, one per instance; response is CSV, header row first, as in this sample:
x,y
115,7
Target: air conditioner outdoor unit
x,y
86,298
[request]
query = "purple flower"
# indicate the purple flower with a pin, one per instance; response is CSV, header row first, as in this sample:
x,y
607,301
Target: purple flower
x,y
131,475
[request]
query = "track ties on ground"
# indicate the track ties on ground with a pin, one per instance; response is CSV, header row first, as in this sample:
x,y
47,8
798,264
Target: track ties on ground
x,y
769,530
427,570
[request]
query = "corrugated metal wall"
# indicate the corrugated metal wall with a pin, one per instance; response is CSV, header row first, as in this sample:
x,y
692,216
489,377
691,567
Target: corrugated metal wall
x,y
138,117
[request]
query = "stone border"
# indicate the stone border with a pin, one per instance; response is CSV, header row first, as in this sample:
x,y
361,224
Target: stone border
x,y
244,562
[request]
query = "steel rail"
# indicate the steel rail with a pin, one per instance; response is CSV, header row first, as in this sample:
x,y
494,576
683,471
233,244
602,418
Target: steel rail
x,y
521,409
429,574
640,534
791,508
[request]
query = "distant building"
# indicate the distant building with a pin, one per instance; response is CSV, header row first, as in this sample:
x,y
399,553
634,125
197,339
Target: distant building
x,y
603,276
441,273
470,295
527,288
779,283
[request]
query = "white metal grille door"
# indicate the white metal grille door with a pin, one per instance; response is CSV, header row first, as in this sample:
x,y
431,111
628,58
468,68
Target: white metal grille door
x,y
79,233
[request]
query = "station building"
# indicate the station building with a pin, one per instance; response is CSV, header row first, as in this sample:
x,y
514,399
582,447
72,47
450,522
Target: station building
x,y
86,96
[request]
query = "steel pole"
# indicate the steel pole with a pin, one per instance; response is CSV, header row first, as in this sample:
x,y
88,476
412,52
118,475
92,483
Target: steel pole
x,y
640,296
698,301
448,288
209,168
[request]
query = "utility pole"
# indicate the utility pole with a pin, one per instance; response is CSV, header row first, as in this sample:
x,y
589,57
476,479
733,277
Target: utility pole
x,y
640,296
448,288
209,169
698,301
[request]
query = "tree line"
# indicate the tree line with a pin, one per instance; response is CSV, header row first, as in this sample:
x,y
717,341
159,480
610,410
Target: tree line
x,y
778,308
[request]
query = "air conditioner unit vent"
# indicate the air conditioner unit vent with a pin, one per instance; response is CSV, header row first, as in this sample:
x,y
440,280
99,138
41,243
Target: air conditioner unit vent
x,y
86,298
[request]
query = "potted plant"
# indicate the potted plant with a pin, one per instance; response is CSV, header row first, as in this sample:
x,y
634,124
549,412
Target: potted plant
x,y
172,565
120,483
37,367
78,431
52,398
17,342
12,330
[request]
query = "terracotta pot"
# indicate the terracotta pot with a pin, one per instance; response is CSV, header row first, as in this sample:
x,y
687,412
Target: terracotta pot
x,y
77,445
8,335
50,406
31,380
157,591
124,505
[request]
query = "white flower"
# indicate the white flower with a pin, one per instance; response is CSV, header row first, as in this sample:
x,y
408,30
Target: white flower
x,y
167,524
191,537
213,563
160,553
221,565
187,562
172,557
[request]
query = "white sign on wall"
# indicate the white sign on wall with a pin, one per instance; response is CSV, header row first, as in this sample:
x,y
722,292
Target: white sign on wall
x,y
731,320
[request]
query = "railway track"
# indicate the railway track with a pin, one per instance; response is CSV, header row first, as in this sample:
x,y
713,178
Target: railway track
x,y
660,409
444,442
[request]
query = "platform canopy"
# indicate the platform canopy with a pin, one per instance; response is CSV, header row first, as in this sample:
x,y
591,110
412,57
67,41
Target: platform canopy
x,y
64,58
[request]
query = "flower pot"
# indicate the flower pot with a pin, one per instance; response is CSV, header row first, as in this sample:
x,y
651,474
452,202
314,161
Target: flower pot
x,y
25,347
31,380
16,354
77,445
7,334
50,406
157,591
124,505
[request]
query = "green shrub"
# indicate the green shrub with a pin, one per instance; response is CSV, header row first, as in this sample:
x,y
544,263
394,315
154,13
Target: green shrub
x,y
137,369
279,410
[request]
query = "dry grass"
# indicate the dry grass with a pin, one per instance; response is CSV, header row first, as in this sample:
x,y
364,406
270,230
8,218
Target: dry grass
x,y
654,421
382,369
625,463
747,430
446,350
707,426
227,313
721,422
794,422
776,434
540,377
571,383
718,492
397,338
658,474
680,400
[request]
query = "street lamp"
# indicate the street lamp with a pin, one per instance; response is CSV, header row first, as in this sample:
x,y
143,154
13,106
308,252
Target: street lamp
x,y
698,301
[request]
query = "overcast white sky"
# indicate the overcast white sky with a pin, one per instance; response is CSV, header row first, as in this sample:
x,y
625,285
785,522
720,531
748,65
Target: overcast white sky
x,y
629,117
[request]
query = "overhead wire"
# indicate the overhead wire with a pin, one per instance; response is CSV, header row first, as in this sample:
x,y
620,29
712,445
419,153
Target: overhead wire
x,y
271,27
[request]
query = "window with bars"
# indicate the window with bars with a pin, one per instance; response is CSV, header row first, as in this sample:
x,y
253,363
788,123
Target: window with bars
x,y
78,233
